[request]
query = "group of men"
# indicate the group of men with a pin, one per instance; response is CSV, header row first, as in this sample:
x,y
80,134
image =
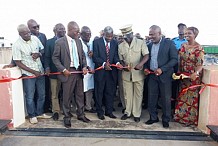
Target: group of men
x,y
91,71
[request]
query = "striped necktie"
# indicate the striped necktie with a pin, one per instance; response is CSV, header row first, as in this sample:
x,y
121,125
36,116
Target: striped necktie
x,y
107,51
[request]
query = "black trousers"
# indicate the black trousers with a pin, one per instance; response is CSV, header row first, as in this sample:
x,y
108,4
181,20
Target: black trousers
x,y
164,90
105,88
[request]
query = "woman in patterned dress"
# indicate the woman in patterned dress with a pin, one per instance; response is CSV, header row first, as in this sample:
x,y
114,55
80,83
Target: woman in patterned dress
x,y
191,57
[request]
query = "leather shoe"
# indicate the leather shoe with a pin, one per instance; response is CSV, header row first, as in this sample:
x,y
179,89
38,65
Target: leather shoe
x,y
90,111
67,122
150,122
111,116
136,119
124,117
55,116
165,124
84,119
101,117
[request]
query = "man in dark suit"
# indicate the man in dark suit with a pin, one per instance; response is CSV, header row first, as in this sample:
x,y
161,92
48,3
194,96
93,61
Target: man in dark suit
x,y
55,84
162,57
68,56
105,53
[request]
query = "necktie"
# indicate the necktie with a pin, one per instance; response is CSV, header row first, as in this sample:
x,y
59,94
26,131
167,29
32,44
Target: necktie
x,y
107,51
75,56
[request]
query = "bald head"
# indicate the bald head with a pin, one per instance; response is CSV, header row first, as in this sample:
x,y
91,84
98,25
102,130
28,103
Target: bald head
x,y
108,33
108,29
155,33
73,30
85,34
31,21
33,26
156,28
59,30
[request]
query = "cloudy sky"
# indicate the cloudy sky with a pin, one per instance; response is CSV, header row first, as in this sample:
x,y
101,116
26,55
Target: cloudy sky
x,y
97,14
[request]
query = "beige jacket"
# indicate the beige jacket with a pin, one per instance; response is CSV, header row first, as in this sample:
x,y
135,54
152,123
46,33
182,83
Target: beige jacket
x,y
132,55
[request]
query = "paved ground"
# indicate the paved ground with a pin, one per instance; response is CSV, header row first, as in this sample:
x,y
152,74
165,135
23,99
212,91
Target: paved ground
x,y
113,124
74,141
109,123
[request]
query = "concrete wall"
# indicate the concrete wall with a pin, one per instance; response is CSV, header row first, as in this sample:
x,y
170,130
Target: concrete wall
x,y
11,97
208,108
5,55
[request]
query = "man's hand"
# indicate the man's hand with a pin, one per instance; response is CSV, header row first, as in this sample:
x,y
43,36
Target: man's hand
x,y
91,71
47,71
35,56
8,66
107,66
36,73
138,67
128,68
90,54
66,73
158,72
119,66
146,72
85,71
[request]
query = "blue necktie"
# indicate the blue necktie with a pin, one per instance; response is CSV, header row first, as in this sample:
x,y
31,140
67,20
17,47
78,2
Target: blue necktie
x,y
75,56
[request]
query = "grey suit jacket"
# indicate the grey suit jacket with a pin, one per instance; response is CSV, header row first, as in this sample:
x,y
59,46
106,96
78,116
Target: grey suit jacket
x,y
167,59
61,56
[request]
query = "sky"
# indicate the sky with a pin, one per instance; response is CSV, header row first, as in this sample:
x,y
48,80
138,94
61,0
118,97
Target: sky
x,y
97,14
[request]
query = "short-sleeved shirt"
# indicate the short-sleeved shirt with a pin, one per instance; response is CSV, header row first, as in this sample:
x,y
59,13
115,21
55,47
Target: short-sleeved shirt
x,y
179,42
21,50
132,55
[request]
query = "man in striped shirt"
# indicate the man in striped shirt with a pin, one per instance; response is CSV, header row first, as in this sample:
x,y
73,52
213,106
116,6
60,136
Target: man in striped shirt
x,y
26,54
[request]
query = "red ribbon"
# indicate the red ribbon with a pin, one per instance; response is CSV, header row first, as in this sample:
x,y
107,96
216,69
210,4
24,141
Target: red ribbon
x,y
198,85
149,71
6,79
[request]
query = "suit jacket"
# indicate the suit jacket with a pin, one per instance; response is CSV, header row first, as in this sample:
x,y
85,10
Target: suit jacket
x,y
61,56
100,56
49,50
167,58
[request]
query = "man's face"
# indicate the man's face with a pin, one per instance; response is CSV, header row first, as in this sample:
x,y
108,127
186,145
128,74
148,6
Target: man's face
x,y
108,36
181,30
25,34
154,35
74,32
128,37
60,31
86,35
34,28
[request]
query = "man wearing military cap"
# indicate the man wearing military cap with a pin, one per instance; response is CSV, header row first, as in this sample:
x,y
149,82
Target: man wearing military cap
x,y
133,53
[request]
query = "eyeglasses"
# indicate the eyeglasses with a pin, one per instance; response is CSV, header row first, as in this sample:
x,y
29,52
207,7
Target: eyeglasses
x,y
35,27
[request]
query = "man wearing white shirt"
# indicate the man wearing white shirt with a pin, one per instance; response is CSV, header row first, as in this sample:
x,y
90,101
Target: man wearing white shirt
x,y
88,80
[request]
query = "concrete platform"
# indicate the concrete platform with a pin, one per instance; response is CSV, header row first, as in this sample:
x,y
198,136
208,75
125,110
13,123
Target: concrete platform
x,y
108,123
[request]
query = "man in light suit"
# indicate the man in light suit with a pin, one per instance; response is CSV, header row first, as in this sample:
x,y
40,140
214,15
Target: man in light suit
x,y
162,57
69,56
105,53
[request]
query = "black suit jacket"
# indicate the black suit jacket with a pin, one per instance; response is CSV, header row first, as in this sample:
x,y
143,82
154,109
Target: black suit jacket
x,y
167,58
49,50
61,56
100,56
